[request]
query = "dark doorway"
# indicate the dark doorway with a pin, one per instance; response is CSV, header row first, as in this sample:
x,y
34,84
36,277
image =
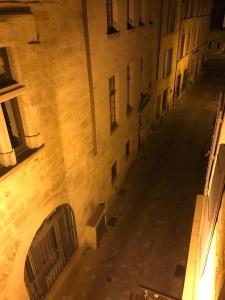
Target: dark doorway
x,y
185,80
165,101
196,67
51,249
178,85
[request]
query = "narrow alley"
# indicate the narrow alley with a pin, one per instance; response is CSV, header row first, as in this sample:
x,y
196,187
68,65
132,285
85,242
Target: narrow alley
x,y
148,244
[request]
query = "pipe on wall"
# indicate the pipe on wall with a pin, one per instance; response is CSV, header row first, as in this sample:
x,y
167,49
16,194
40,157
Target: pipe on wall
x,y
89,70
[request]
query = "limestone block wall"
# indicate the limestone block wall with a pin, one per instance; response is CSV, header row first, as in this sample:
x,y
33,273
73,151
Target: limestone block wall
x,y
168,41
195,48
47,50
206,285
53,71
110,56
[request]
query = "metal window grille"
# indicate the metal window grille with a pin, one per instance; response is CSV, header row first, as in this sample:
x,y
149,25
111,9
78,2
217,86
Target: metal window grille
x,y
51,249
112,102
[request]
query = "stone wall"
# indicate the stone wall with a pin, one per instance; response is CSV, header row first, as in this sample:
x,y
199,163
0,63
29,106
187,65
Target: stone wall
x,y
48,55
47,50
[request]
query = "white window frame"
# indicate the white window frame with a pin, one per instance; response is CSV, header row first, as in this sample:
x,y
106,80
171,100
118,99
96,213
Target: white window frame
x,y
32,136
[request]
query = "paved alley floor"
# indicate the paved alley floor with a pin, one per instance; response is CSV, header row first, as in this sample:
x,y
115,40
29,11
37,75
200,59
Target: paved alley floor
x,y
149,243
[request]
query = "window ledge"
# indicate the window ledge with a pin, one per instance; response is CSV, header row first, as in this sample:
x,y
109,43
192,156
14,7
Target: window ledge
x,y
112,31
11,91
141,23
130,26
114,126
22,158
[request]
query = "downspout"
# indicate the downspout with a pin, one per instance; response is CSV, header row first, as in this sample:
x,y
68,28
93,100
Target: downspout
x,y
178,50
89,70
160,37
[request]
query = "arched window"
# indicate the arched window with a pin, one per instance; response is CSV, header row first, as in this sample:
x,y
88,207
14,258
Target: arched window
x,y
51,249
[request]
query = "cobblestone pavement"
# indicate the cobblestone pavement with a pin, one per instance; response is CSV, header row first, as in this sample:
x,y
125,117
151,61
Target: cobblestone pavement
x,y
149,243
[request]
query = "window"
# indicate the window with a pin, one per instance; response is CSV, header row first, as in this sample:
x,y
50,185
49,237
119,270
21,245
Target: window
x,y
112,26
5,71
185,80
130,14
50,251
167,68
114,172
165,100
15,145
129,108
187,47
218,45
171,16
182,46
141,12
150,12
13,123
192,7
185,5
178,86
210,45
127,149
112,102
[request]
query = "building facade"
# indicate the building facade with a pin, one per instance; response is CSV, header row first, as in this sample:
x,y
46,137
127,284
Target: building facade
x,y
78,78
205,269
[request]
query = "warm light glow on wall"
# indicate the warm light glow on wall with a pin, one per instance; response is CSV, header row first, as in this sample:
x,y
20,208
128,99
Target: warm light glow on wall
x,y
206,285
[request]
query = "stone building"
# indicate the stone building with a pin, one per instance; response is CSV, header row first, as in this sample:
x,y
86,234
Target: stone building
x,y
78,78
205,269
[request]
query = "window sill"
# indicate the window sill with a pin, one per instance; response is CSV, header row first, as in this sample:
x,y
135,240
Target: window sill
x,y
141,23
114,126
24,156
130,26
11,91
112,31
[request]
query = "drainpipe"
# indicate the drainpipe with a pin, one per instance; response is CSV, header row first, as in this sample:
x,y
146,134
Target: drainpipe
x,y
89,70
160,37
177,58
